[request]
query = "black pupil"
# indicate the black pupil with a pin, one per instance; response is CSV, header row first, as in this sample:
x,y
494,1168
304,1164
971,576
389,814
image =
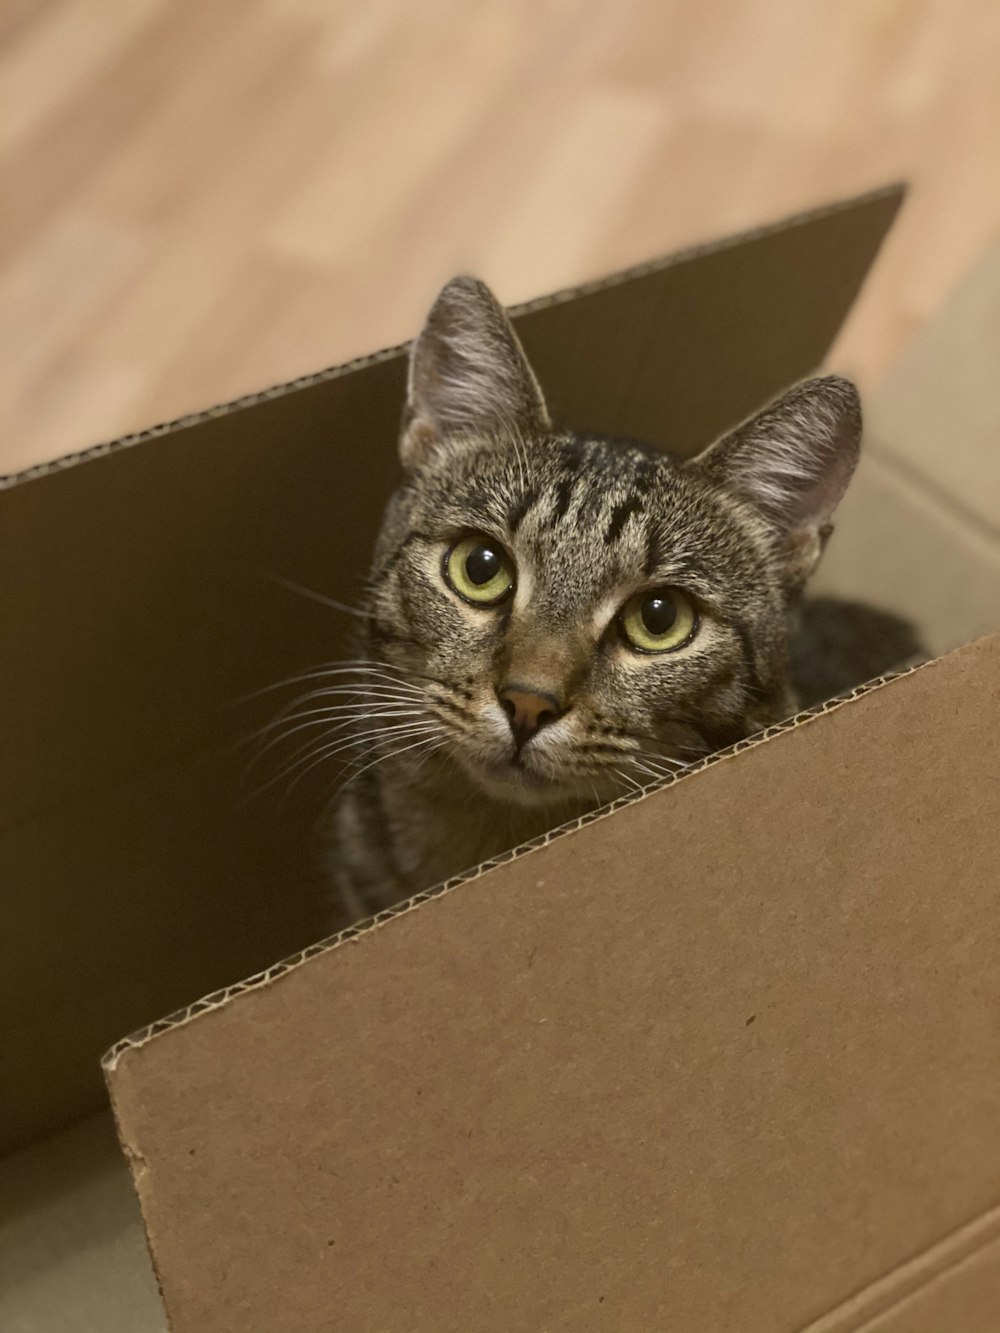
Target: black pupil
x,y
483,564
659,615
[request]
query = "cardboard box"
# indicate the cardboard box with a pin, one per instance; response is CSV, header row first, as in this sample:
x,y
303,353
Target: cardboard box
x,y
722,1057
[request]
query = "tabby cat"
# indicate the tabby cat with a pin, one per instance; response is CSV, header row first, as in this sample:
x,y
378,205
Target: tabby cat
x,y
555,619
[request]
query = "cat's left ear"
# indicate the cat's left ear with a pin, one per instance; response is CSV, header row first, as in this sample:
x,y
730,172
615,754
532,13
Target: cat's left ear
x,y
792,463
468,374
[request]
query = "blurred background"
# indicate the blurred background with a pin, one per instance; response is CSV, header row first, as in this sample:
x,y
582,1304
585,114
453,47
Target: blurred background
x,y
204,197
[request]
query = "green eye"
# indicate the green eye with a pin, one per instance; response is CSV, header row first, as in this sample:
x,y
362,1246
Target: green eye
x,y
479,570
658,620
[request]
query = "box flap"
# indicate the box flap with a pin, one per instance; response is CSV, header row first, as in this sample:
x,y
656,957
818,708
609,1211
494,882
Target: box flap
x,y
938,411
923,511
151,555
137,611
717,1061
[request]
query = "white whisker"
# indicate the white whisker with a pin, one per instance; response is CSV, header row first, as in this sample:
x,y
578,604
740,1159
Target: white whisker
x,y
658,767
323,716
625,777
313,596
394,754
331,669
319,751
356,699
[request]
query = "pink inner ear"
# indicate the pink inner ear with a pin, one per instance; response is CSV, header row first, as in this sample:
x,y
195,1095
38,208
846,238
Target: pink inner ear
x,y
794,460
468,372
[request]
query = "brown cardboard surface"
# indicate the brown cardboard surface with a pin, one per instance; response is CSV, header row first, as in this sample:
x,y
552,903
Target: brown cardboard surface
x,y
896,547
136,610
175,878
923,511
931,412
719,1060
151,559
963,1299
955,1285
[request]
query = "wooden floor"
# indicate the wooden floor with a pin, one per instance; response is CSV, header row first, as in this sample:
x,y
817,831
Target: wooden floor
x,y
201,197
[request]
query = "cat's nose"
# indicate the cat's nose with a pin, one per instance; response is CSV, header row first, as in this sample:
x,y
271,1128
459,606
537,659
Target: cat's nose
x,y
528,710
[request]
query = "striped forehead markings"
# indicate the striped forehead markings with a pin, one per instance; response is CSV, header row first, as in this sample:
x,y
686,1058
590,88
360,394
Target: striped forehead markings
x,y
563,497
520,507
620,515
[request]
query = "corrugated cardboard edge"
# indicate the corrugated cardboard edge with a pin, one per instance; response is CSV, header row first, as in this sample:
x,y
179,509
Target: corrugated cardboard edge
x,y
40,470
217,999
137,1168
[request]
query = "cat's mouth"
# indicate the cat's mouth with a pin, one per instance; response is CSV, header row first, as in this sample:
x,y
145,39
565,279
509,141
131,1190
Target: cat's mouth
x,y
519,769
526,778
555,767
514,781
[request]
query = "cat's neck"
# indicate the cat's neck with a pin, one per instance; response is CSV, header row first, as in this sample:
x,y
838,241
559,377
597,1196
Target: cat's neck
x,y
441,824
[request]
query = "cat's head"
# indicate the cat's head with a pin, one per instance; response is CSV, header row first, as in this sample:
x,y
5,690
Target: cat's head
x,y
577,614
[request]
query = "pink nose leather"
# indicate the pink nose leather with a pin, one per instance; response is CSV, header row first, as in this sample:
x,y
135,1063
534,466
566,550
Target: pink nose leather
x,y
528,710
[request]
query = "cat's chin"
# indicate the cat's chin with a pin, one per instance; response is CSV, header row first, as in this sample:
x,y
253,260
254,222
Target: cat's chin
x,y
516,784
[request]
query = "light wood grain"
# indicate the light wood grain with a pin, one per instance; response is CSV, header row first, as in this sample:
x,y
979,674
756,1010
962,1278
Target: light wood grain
x,y
202,197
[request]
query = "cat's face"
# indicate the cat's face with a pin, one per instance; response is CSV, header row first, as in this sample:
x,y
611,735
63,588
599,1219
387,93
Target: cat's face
x,y
576,616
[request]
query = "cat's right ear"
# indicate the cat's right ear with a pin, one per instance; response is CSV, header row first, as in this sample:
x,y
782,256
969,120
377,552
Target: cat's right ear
x,y
792,463
468,375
